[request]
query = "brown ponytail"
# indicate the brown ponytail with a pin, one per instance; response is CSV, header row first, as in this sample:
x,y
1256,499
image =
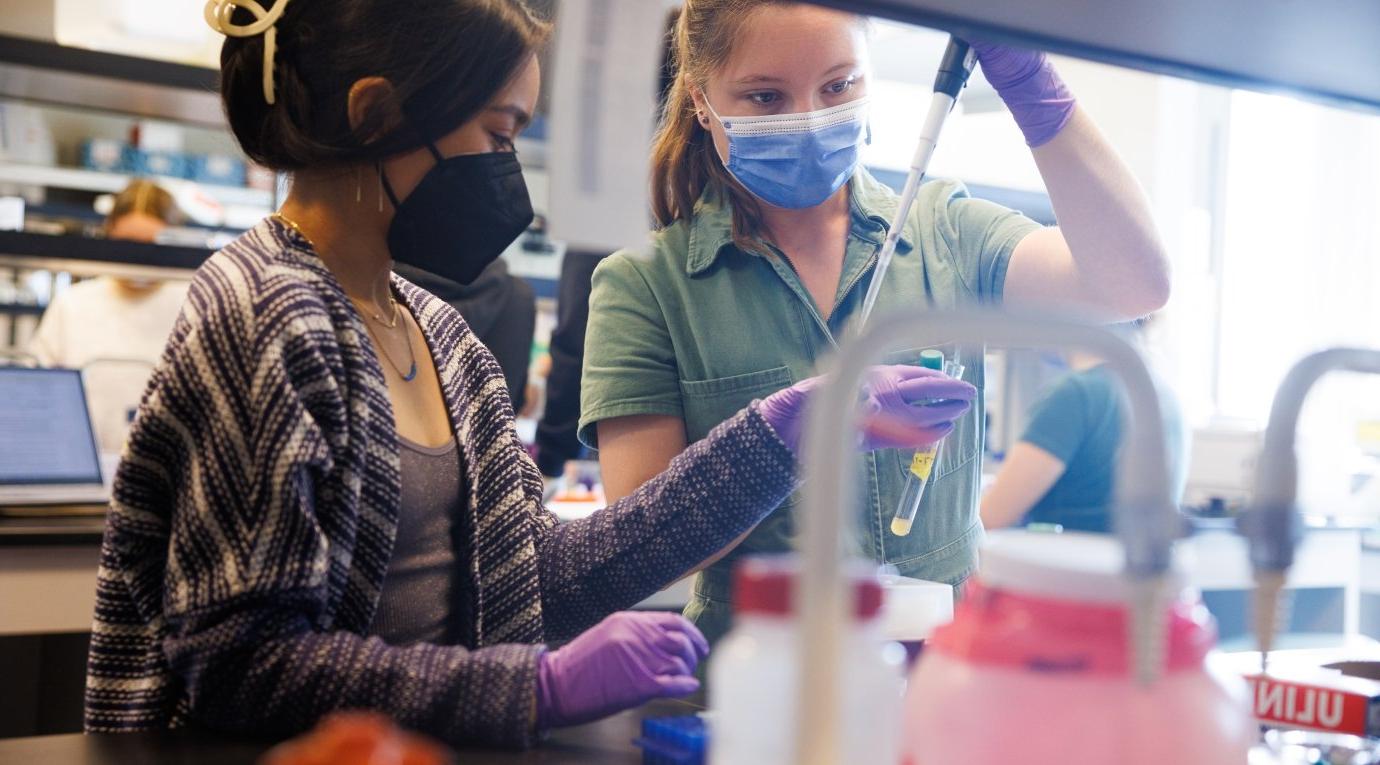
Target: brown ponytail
x,y
684,161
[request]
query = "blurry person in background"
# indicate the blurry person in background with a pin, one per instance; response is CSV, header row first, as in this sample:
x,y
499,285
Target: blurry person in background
x,y
501,309
1062,471
114,328
557,432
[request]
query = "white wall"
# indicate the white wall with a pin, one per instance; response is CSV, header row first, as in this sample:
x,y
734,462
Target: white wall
x,y
172,30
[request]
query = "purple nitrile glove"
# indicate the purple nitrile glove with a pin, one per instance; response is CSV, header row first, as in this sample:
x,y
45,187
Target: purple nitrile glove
x,y
897,418
626,660
894,418
1032,90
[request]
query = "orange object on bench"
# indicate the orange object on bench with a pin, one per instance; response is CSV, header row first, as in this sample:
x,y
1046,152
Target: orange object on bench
x,y
358,738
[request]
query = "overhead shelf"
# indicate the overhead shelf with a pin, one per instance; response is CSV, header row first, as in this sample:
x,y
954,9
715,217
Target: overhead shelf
x,y
107,182
46,72
1323,49
23,244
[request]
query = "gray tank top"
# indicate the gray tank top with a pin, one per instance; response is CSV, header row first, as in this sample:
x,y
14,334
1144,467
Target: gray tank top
x,y
424,597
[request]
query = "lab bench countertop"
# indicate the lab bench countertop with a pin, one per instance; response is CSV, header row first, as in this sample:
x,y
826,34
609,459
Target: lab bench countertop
x,y
607,741
57,529
77,525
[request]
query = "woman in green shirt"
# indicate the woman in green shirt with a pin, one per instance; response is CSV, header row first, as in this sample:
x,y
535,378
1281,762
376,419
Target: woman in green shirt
x,y
769,232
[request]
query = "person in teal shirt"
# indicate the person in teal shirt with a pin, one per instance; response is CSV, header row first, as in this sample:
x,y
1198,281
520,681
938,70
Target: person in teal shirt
x,y
769,232
1063,470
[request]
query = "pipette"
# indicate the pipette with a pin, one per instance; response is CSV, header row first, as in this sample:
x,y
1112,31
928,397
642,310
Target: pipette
x,y
926,462
954,69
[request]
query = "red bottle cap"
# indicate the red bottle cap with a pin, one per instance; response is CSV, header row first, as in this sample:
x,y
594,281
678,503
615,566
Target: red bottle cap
x,y
1056,603
998,628
766,585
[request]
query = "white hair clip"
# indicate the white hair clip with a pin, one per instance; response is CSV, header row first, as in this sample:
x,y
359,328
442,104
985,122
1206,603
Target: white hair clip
x,y
218,16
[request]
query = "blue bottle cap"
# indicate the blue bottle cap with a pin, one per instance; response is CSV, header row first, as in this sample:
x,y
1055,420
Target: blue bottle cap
x,y
674,740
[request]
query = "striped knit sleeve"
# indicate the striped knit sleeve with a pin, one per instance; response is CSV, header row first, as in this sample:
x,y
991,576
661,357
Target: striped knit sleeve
x,y
261,535
710,494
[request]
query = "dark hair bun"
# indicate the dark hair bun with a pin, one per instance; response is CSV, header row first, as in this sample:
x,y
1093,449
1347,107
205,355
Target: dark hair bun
x,y
446,59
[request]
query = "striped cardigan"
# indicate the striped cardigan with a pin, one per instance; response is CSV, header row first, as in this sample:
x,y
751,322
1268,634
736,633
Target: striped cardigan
x,y
256,505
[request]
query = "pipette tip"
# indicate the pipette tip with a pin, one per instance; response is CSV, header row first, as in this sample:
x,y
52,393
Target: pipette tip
x,y
1268,587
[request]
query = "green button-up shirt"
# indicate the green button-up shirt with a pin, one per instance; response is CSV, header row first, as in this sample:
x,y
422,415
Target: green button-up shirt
x,y
694,327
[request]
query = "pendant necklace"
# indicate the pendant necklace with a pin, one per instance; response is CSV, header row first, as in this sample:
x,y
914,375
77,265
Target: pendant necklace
x,y
373,313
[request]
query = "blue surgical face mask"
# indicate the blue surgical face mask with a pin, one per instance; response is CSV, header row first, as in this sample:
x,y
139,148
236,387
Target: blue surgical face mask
x,y
796,160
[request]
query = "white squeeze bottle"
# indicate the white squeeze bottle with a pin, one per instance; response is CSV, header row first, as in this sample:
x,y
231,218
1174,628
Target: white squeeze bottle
x,y
754,675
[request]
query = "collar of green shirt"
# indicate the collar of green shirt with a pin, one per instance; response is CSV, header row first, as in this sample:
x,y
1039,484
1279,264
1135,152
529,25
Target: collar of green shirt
x,y
711,230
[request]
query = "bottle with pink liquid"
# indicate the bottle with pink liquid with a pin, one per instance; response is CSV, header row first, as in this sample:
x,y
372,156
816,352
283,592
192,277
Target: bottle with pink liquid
x,y
1035,669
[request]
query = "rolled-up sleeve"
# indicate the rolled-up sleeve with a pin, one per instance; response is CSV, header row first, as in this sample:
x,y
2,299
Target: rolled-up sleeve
x,y
981,235
630,364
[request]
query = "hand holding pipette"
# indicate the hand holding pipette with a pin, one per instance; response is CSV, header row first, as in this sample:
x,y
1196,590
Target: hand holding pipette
x,y
1037,97
1032,90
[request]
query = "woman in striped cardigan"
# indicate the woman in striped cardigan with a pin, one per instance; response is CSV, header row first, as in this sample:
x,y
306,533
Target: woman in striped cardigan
x,y
323,503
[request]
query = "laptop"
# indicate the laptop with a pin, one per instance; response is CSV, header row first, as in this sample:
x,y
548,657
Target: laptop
x,y
48,451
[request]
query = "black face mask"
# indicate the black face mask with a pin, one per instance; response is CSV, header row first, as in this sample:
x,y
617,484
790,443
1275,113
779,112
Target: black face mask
x,y
462,216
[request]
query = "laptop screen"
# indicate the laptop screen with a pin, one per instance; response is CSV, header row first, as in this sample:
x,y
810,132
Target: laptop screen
x,y
45,432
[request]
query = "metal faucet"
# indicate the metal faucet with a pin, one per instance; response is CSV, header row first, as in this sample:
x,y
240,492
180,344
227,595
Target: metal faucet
x,y
1145,516
1273,524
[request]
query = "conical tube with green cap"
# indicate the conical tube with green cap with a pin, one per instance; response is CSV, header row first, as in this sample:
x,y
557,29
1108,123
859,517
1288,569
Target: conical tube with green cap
x,y
922,465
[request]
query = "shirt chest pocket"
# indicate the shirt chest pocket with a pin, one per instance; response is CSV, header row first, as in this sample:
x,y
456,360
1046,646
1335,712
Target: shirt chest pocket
x,y
709,402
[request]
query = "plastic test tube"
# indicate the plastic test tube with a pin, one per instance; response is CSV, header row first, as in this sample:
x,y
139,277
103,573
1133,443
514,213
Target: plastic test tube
x,y
926,461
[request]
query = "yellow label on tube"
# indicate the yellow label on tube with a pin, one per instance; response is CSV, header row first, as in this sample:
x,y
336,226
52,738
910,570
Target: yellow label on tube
x,y
923,463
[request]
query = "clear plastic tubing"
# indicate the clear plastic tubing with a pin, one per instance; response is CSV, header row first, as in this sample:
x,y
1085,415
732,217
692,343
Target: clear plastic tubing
x,y
926,461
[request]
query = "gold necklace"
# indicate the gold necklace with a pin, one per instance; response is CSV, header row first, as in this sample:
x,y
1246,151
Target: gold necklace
x,y
411,373
372,312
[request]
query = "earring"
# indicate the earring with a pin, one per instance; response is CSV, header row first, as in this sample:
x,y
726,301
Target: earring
x,y
358,191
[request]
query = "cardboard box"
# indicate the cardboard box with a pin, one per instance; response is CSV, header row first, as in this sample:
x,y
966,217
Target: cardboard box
x,y
169,164
217,169
106,155
1322,699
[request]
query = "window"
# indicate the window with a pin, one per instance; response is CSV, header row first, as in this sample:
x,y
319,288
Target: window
x,y
1300,272
1301,244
